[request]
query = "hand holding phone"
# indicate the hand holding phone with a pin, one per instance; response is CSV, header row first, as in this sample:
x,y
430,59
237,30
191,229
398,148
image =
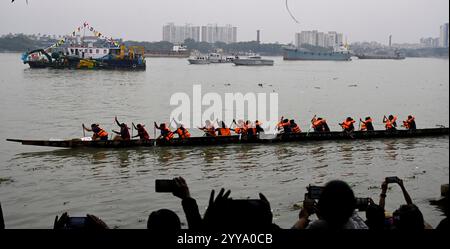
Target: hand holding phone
x,y
362,203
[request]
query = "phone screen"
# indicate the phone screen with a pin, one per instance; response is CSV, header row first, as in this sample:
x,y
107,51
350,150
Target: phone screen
x,y
392,179
362,204
76,222
314,192
164,186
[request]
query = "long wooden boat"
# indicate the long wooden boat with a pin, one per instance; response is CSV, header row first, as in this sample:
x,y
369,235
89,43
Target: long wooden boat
x,y
236,139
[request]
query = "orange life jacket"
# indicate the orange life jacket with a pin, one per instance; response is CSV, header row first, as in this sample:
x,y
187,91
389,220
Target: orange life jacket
x,y
99,133
408,123
167,134
211,131
364,124
225,132
296,129
390,123
143,134
238,130
183,133
346,125
317,123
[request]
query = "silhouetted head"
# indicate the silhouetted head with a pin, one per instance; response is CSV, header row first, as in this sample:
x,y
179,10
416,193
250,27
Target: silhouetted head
x,y
319,118
123,125
182,128
408,217
164,220
367,118
375,217
349,119
257,122
391,117
94,125
286,120
336,203
409,117
292,121
139,126
162,126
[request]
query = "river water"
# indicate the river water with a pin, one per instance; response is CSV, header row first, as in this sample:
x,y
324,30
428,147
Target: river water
x,y
118,185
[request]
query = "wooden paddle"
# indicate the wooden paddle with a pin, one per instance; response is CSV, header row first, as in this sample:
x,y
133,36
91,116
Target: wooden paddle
x,y
132,128
84,133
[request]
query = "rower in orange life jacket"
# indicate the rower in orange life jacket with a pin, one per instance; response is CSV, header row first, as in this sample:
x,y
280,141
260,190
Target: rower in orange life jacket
x,y
295,128
209,129
410,123
249,128
99,133
165,132
124,133
142,133
182,132
390,123
367,125
223,130
239,127
284,125
319,124
347,125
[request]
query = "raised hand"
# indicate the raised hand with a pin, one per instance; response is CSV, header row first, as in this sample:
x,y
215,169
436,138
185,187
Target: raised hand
x,y
61,222
181,189
93,222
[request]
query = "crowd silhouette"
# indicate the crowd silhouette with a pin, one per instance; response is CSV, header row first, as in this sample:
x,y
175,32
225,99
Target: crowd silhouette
x,y
334,205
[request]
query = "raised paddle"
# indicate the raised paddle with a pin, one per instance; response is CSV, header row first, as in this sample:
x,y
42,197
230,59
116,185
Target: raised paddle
x,y
84,133
132,125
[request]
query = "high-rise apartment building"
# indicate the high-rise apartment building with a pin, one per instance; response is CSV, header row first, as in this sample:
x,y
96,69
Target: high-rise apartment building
x,y
443,37
214,33
315,38
178,34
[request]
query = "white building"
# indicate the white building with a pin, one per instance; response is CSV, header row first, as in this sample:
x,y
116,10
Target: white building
x,y
214,33
443,37
178,34
429,42
315,38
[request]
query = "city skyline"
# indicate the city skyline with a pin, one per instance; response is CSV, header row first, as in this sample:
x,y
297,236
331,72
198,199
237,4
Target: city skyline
x,y
359,20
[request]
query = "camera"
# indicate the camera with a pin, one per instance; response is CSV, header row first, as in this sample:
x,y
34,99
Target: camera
x,y
314,192
391,179
362,203
164,186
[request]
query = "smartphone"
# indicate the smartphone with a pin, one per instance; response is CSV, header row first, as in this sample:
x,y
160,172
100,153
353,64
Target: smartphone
x,y
76,223
164,186
314,192
362,204
392,179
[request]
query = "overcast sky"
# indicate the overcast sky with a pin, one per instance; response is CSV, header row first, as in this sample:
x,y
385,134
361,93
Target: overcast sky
x,y
359,20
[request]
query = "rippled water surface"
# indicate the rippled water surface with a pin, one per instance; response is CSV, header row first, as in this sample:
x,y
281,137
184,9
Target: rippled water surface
x,y
118,185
